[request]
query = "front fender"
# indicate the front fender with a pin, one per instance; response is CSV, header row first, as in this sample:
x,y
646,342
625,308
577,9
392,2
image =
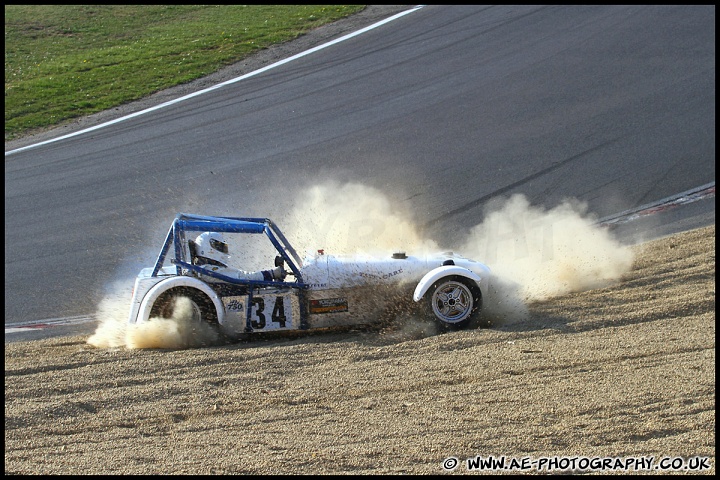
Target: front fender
x,y
172,282
434,275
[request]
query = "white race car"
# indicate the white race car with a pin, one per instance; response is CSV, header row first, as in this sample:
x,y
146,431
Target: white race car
x,y
327,290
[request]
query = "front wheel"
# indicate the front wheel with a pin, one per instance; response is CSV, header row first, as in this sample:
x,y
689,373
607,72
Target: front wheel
x,y
454,303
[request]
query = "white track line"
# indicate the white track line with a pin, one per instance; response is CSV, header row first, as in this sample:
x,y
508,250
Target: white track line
x,y
219,85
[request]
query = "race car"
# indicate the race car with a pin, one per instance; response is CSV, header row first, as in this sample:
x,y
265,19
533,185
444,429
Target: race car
x,y
320,291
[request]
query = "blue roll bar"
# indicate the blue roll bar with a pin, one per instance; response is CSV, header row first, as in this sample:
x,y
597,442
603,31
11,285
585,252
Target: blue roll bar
x,y
185,222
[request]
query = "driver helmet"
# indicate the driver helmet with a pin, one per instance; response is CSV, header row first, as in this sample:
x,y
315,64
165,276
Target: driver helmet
x,y
212,247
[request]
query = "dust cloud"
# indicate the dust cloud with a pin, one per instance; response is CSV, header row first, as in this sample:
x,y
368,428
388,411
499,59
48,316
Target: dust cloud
x,y
179,331
112,328
176,332
534,254
352,218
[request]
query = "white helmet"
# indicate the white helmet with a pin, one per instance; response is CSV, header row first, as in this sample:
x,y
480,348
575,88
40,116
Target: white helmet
x,y
212,246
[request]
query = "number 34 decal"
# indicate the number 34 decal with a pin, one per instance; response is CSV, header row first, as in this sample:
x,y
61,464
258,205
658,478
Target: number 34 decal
x,y
269,313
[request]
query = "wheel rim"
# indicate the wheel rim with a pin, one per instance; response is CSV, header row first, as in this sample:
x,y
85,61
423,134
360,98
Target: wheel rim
x,y
452,302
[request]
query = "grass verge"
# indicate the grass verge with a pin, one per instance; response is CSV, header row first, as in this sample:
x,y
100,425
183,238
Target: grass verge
x,y
67,61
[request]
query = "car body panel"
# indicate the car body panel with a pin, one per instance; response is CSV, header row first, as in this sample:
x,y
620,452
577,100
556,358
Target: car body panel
x,y
447,270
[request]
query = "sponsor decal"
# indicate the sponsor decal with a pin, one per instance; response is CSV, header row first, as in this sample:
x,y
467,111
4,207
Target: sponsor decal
x,y
384,276
328,305
234,306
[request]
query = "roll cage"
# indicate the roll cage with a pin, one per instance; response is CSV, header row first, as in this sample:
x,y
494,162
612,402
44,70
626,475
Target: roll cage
x,y
185,222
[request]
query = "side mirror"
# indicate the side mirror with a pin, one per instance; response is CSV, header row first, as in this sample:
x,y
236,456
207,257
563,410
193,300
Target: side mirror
x,y
279,261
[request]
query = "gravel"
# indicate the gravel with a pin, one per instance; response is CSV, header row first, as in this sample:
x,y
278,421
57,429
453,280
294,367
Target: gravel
x,y
622,371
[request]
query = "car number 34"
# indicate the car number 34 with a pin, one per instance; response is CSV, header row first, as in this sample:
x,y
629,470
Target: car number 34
x,y
267,312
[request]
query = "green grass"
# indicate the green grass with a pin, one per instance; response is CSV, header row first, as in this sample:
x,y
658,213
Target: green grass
x,y
65,61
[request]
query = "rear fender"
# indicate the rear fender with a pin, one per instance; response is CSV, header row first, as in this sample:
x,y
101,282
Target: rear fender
x,y
173,282
445,271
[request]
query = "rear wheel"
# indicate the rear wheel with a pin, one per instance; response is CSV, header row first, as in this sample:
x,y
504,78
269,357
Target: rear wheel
x,y
454,303
202,308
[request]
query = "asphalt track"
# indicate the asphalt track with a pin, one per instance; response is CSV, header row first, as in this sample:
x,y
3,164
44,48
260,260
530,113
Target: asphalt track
x,y
442,109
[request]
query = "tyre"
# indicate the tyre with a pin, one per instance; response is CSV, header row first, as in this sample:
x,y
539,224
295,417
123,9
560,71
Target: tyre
x,y
202,308
454,303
